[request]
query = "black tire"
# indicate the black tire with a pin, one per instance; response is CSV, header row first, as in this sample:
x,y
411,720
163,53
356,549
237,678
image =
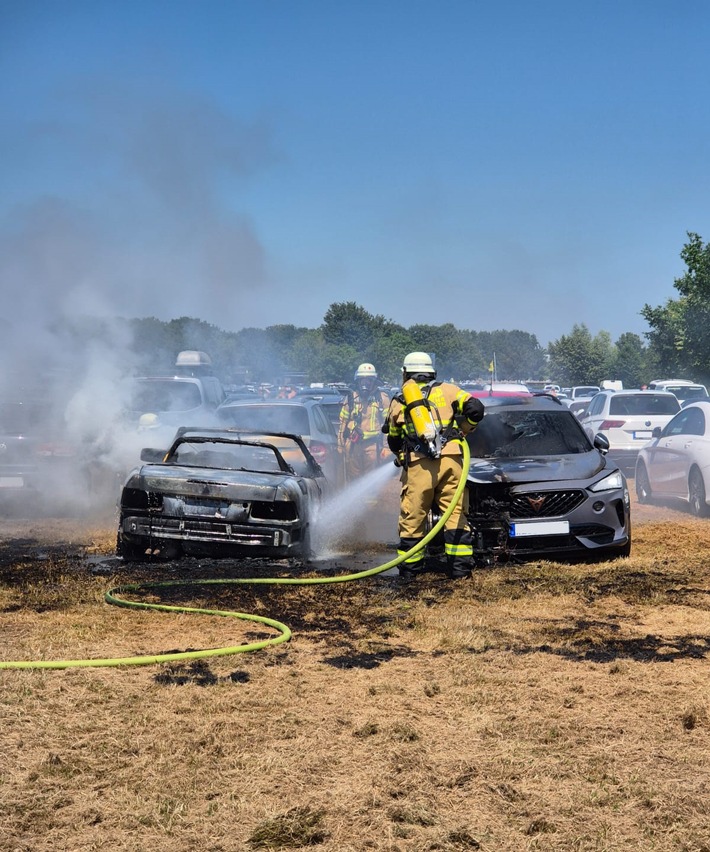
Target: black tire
x,y
130,552
643,486
625,550
696,494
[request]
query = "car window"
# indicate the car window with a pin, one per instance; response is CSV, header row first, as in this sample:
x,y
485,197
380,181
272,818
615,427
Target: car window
x,y
643,404
595,406
321,421
224,456
514,434
270,418
691,421
695,392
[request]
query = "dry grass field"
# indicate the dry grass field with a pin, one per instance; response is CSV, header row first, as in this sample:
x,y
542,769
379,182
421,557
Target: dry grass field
x,y
537,707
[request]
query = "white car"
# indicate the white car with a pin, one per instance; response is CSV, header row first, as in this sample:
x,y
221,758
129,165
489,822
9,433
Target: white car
x,y
675,465
627,420
581,392
685,391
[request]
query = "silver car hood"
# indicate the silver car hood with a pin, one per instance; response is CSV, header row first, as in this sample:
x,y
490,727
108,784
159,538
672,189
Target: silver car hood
x,y
537,468
225,484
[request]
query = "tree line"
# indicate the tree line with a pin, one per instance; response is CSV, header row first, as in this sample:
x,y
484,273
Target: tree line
x,y
677,344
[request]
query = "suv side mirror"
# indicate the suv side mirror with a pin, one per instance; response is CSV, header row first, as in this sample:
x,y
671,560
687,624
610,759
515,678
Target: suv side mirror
x,y
657,431
601,442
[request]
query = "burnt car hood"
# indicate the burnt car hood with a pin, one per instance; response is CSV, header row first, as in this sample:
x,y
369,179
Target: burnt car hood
x,y
537,468
240,484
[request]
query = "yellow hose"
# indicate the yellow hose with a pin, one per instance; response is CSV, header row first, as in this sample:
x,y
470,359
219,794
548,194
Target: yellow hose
x,y
113,596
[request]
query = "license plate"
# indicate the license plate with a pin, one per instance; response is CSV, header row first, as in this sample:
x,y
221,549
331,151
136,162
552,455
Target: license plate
x,y
528,528
11,482
643,435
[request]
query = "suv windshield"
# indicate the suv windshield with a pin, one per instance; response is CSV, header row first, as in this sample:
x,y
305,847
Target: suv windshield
x,y
167,395
517,434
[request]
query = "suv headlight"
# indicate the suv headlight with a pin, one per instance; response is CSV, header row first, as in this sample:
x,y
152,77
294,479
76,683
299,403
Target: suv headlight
x,y
609,483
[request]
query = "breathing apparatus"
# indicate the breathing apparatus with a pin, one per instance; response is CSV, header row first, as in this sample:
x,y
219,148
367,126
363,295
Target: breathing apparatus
x,y
418,368
418,408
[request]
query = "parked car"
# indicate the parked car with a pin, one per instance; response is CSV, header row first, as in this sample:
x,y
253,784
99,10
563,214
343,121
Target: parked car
x,y
539,488
627,420
302,416
175,400
581,392
675,464
39,465
682,388
501,389
217,493
331,400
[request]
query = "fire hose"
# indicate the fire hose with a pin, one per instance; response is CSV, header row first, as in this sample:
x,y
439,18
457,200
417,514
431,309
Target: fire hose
x,y
114,596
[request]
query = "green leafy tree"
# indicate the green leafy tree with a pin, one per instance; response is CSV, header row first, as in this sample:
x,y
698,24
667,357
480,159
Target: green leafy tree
x,y
631,361
578,358
518,355
680,330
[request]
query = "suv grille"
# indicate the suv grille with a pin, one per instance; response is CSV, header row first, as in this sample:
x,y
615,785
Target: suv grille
x,y
545,504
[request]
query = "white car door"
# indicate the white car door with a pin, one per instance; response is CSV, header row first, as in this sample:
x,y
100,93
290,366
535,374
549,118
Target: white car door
x,y
682,447
667,463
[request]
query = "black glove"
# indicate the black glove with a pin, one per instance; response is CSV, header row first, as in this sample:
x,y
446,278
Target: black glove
x,y
473,410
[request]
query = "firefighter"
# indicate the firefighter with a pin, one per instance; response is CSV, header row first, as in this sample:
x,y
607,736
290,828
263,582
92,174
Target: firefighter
x,y
360,436
431,461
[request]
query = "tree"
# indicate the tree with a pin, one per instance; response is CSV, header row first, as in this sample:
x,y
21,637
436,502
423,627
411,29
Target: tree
x,y
680,330
631,362
579,359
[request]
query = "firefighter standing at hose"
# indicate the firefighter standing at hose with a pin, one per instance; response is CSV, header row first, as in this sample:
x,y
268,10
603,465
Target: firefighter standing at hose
x,y
362,416
423,423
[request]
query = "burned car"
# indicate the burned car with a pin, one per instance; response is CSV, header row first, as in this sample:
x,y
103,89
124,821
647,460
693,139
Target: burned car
x,y
220,493
538,488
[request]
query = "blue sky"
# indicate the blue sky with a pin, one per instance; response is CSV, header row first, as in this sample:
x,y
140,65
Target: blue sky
x,y
507,164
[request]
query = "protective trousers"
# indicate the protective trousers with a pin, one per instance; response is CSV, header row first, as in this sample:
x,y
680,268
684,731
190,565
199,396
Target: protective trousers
x,y
433,482
361,456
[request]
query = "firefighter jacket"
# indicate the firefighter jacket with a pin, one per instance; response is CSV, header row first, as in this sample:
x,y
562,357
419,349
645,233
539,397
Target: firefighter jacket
x,y
443,398
362,416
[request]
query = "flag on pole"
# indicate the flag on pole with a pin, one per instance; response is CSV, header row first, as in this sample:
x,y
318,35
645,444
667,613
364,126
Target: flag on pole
x,y
491,367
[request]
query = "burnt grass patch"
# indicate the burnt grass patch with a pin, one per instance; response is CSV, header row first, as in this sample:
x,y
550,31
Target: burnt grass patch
x,y
195,672
648,649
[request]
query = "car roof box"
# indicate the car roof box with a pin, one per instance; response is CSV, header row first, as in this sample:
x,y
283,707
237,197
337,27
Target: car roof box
x,y
193,358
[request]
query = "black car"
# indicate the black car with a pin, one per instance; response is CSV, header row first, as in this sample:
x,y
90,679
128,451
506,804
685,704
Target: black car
x,y
538,487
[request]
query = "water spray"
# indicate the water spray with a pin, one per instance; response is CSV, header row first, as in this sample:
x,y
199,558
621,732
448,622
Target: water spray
x,y
348,508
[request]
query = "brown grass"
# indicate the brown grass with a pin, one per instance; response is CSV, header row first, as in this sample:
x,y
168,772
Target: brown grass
x,y
537,707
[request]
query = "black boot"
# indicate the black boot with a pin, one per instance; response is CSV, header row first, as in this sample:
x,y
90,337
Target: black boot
x,y
458,569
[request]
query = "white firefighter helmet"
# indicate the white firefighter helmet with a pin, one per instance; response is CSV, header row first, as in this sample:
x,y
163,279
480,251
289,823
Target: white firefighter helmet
x,y
366,371
418,362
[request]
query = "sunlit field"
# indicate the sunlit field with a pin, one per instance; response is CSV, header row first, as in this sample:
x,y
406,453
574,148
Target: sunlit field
x,y
541,706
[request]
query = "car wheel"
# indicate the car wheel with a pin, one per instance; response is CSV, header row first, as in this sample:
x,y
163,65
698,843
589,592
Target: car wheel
x,y
625,550
130,552
696,495
643,486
